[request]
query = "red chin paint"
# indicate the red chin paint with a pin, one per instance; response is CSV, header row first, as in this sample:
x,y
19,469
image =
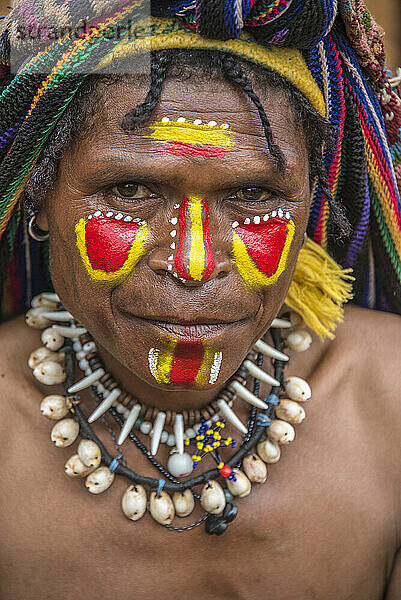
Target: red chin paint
x,y
265,243
108,242
187,360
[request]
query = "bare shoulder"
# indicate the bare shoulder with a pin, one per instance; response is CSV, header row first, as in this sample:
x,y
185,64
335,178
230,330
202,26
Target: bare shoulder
x,y
370,343
17,342
370,324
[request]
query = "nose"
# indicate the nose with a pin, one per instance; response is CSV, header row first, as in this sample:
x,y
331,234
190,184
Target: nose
x,y
192,258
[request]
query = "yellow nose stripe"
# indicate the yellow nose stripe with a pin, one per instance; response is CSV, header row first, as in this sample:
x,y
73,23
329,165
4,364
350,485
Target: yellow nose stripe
x,y
197,252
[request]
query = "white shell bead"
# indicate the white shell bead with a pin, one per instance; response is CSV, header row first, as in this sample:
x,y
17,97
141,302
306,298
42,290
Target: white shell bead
x,y
34,318
180,465
290,411
100,480
242,486
299,340
297,389
184,503
269,451
64,433
134,502
213,499
42,300
54,407
52,339
42,354
255,469
162,508
171,440
89,452
281,432
49,373
146,427
74,467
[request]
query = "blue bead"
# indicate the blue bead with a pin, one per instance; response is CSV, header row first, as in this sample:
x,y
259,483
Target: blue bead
x,y
262,420
273,399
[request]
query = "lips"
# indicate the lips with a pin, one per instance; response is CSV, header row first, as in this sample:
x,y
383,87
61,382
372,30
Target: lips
x,y
188,329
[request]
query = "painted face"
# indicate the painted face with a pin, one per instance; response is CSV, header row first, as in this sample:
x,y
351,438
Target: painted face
x,y
177,272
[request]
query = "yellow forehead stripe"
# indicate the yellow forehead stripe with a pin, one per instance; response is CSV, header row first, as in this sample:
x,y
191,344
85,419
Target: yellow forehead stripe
x,y
249,272
137,250
153,34
192,133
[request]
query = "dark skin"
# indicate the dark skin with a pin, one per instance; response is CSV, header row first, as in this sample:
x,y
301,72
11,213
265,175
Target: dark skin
x,y
326,523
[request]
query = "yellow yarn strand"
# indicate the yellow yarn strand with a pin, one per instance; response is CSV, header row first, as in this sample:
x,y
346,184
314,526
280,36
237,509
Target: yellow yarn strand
x,y
319,289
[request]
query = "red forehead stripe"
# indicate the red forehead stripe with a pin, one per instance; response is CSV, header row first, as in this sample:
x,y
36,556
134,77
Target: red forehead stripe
x,y
108,242
184,149
265,243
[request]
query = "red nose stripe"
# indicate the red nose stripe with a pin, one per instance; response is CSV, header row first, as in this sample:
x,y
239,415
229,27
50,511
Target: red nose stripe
x,y
187,361
265,243
208,243
108,242
184,246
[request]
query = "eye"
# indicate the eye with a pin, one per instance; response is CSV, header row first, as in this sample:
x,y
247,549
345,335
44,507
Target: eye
x,y
252,194
132,191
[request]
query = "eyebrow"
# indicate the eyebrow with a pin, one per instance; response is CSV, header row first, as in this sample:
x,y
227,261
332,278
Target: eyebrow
x,y
133,157
124,168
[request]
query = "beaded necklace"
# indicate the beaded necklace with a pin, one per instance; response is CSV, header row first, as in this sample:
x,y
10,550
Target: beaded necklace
x,y
269,425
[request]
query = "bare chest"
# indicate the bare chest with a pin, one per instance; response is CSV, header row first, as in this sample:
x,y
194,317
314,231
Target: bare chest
x,y
319,528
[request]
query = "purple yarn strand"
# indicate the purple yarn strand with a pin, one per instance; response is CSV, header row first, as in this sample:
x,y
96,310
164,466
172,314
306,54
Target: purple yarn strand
x,y
360,232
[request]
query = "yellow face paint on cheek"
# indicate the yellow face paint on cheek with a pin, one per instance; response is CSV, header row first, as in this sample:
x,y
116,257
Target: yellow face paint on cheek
x,y
261,248
110,248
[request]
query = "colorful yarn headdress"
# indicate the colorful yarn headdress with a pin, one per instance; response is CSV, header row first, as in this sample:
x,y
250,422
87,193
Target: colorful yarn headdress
x,y
332,51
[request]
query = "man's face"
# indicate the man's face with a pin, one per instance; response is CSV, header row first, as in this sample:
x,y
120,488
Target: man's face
x,y
175,244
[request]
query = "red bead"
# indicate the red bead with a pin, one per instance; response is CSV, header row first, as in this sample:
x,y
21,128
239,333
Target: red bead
x,y
226,471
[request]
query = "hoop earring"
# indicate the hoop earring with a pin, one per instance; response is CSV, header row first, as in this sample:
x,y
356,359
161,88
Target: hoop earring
x,y
35,232
305,240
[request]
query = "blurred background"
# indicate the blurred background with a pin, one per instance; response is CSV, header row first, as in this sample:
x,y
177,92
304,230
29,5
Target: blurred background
x,y
386,12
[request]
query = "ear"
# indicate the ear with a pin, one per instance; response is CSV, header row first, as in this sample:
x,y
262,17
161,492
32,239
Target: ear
x,y
41,220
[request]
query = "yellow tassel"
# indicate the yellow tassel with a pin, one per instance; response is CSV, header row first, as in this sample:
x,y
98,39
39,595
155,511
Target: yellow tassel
x,y
319,289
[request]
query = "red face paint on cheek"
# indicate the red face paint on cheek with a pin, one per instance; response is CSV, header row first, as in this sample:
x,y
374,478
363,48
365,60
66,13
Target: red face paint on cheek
x,y
108,243
265,243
